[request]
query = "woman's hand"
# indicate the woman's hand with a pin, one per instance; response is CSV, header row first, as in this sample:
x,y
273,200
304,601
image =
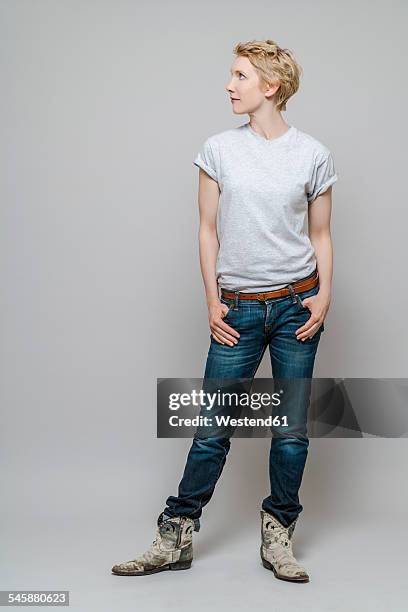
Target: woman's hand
x,y
318,305
221,332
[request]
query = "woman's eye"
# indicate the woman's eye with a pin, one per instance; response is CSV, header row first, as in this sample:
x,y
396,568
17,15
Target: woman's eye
x,y
240,74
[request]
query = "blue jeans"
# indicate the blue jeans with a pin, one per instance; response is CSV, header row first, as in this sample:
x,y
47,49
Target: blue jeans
x,y
260,324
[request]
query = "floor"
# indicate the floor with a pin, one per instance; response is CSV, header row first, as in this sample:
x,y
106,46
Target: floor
x,y
352,565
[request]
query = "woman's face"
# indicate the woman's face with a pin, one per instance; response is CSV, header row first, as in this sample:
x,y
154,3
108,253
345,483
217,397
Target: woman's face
x,y
246,88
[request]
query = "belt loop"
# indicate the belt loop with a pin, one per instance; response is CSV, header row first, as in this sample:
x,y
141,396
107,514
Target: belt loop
x,y
292,294
236,300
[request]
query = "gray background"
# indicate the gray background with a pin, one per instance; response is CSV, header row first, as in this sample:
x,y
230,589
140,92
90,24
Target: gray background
x,y
104,106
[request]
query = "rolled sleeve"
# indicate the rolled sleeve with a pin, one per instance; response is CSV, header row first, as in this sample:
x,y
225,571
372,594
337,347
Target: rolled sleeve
x,y
323,176
207,159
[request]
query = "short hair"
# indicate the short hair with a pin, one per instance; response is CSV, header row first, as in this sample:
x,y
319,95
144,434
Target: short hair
x,y
273,65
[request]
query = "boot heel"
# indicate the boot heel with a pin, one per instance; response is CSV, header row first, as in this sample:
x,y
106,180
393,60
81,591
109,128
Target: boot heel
x,y
266,564
180,565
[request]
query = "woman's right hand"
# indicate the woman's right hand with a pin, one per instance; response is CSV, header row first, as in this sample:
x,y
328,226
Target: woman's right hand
x,y
220,331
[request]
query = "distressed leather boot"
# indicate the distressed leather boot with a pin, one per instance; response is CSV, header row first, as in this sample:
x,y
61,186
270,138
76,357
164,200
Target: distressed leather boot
x,y
172,549
276,550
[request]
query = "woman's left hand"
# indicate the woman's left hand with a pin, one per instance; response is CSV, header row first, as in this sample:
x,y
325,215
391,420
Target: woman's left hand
x,y
318,305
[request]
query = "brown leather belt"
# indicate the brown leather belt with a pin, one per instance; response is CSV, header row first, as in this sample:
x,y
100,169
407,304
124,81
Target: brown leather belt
x,y
304,284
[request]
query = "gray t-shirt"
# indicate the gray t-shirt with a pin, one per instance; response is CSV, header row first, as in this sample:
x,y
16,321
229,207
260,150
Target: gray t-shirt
x,y
265,189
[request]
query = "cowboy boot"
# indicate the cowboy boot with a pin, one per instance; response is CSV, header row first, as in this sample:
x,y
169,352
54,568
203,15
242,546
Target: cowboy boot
x,y
172,549
276,550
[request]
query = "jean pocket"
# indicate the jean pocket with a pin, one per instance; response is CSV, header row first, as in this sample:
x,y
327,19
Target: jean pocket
x,y
228,303
305,294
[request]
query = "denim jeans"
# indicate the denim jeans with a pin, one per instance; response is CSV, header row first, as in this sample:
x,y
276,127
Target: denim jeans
x,y
271,323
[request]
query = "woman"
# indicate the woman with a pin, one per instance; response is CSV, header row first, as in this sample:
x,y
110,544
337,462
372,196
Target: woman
x,y
275,280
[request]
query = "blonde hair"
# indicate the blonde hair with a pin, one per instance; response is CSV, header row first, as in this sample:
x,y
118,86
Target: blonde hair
x,y
274,65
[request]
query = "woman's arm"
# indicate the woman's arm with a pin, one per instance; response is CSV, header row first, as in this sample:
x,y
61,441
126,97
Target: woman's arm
x,y
320,237
319,213
208,200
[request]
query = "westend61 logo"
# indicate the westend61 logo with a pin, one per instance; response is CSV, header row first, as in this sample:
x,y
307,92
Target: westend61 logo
x,y
220,406
210,401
